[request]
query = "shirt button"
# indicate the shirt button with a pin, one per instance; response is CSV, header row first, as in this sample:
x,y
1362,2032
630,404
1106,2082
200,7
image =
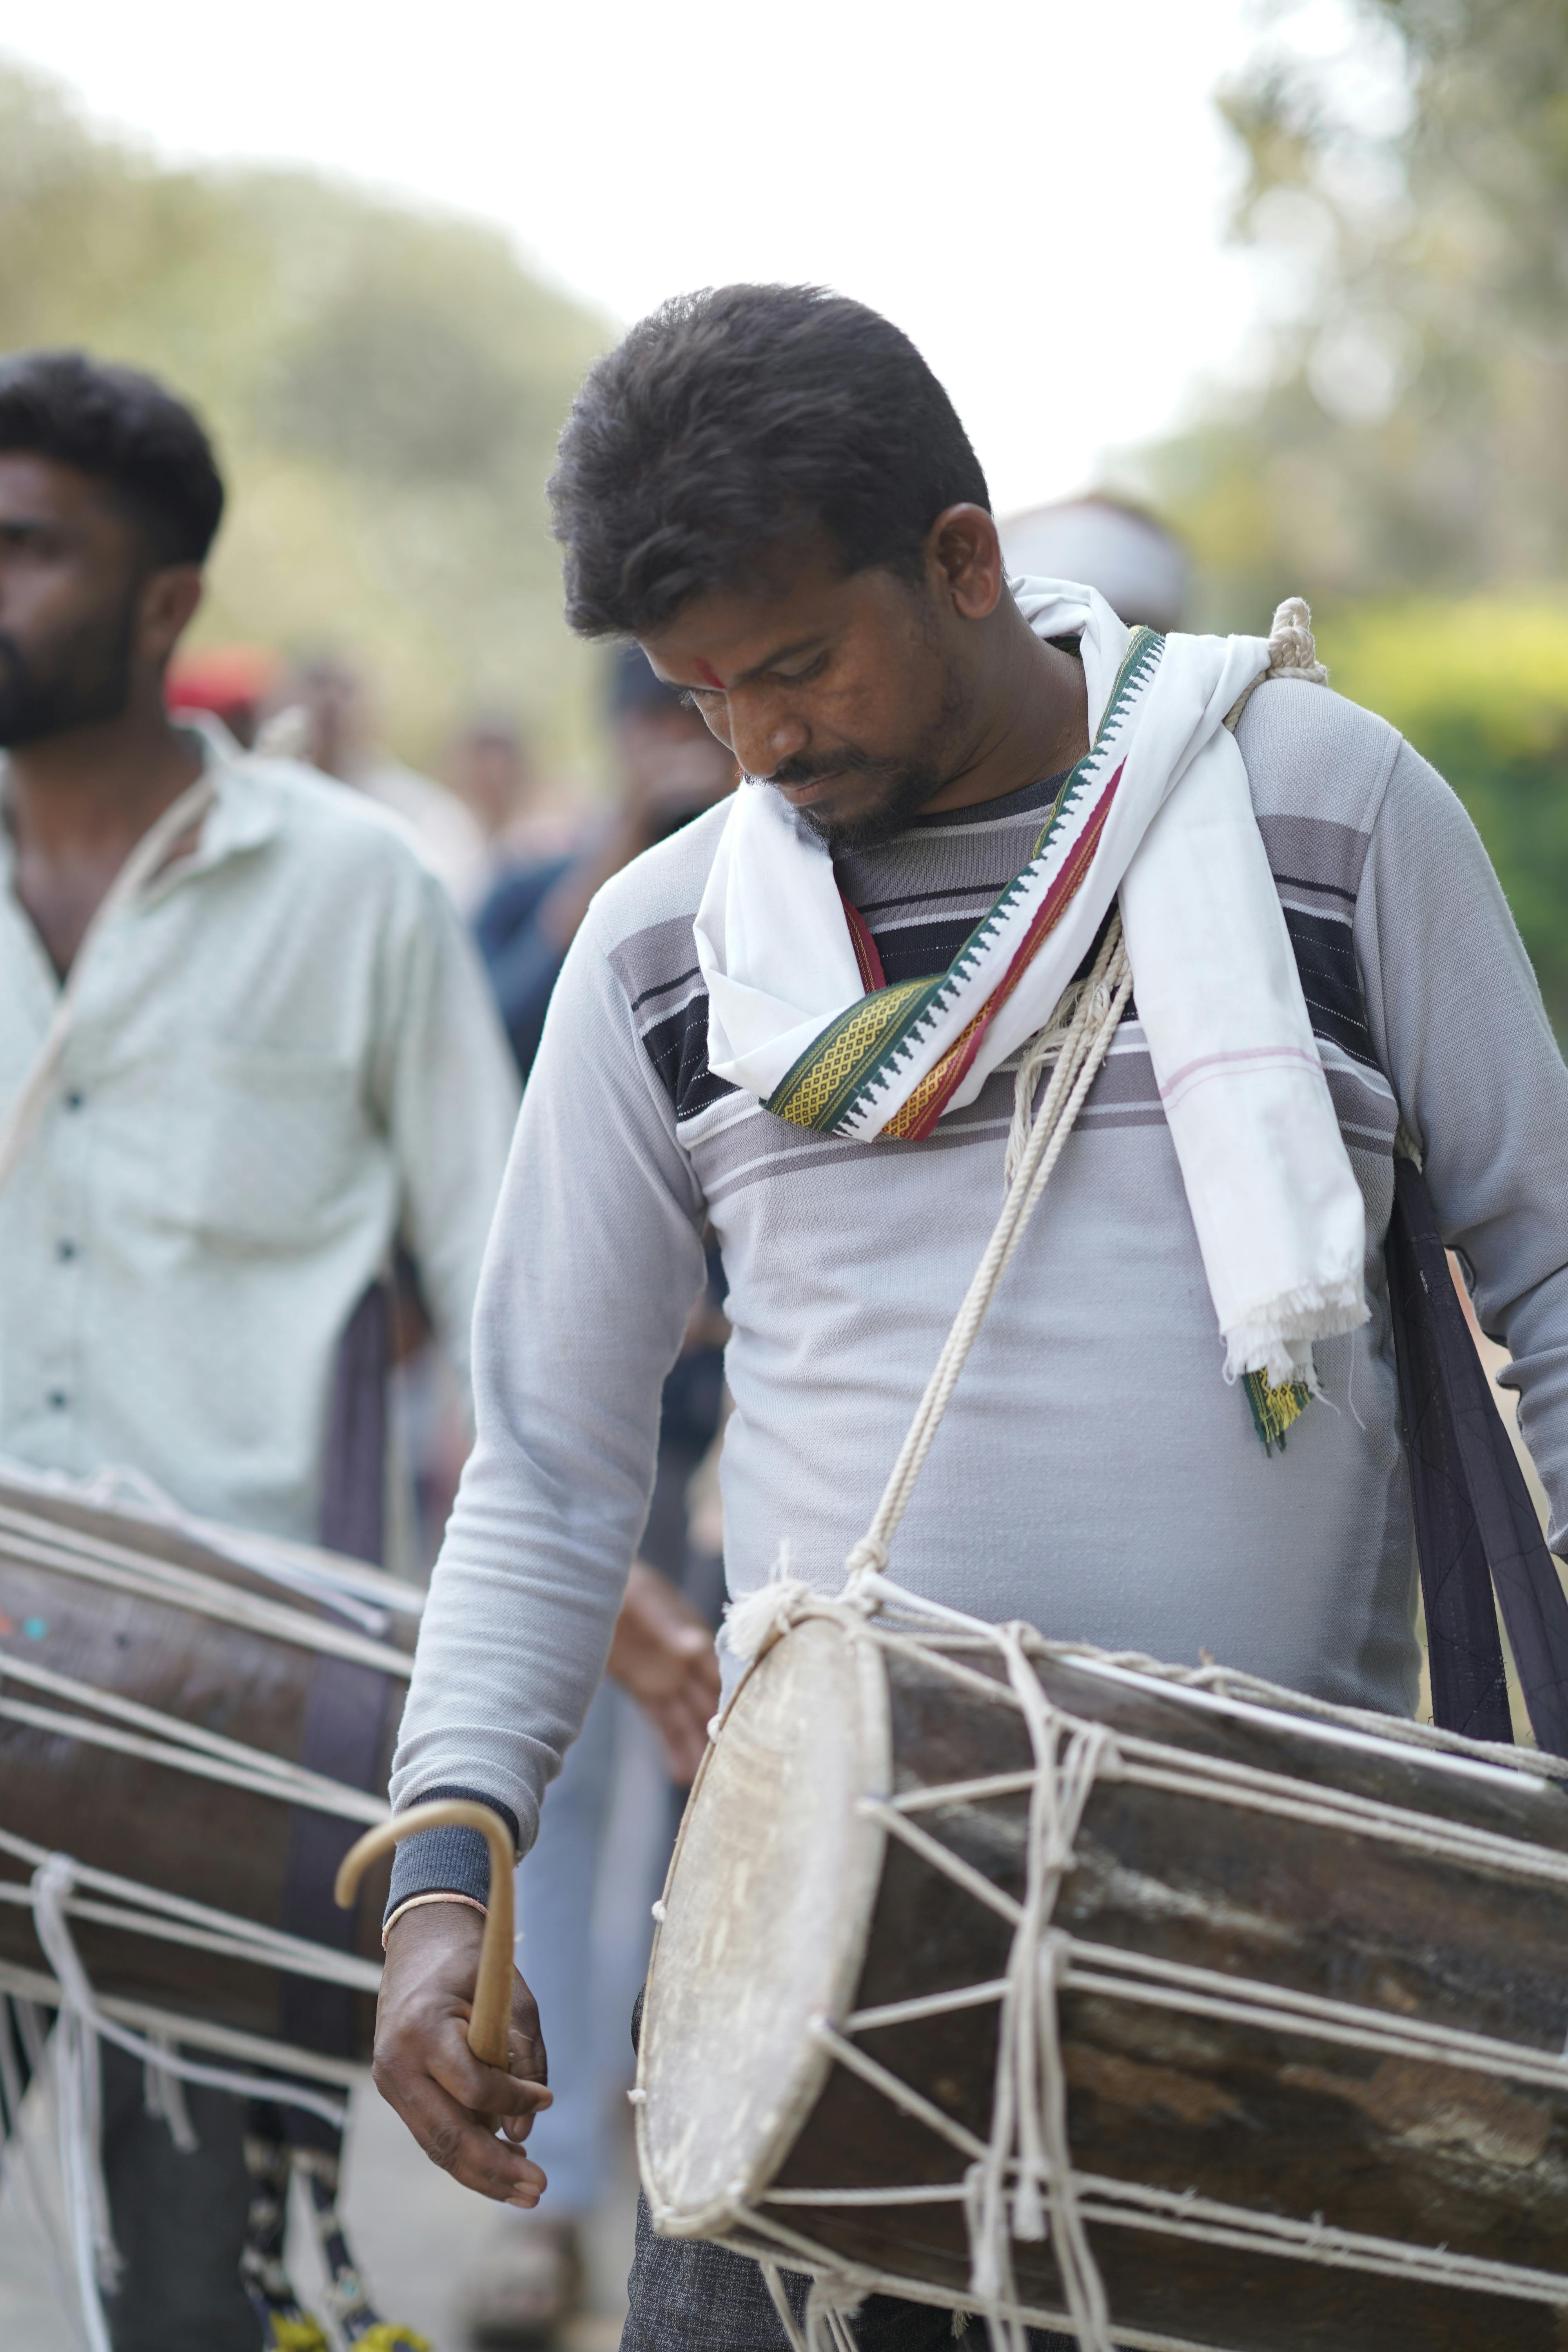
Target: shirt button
x,y
73,1101
58,1399
65,1252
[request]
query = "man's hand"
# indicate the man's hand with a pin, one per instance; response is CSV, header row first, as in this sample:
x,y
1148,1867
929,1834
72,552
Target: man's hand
x,y
663,1654
425,2069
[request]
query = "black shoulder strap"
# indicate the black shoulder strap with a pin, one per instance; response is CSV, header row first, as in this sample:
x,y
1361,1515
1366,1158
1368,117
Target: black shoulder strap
x,y
1476,1528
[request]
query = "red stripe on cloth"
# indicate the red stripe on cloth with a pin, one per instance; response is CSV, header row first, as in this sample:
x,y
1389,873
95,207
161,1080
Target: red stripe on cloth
x,y
958,1060
869,962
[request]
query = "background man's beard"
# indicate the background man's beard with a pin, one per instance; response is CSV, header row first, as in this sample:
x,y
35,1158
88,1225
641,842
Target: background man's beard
x,y
904,794
89,684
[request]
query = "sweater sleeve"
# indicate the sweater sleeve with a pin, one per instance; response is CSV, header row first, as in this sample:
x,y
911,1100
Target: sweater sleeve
x,y
594,1263
1460,1029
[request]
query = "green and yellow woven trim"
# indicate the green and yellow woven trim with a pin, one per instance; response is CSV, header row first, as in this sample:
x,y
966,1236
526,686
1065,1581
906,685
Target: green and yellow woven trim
x,y
1274,1411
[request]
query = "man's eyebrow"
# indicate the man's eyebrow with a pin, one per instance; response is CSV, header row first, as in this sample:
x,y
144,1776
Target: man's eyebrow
x,y
744,676
779,654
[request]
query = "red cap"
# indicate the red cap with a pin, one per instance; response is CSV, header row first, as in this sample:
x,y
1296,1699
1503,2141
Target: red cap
x,y
224,679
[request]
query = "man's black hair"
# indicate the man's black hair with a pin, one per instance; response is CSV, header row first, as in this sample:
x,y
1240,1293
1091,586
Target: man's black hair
x,y
729,420
125,430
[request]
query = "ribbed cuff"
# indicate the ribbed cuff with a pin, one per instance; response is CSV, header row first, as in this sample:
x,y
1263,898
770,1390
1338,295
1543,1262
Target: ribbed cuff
x,y
446,1861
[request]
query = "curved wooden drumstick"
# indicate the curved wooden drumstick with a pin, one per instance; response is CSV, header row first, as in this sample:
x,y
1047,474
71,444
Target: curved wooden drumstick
x,y
490,2025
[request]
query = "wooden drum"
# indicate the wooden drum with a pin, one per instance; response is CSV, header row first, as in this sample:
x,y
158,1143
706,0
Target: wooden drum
x,y
203,1724
1003,1975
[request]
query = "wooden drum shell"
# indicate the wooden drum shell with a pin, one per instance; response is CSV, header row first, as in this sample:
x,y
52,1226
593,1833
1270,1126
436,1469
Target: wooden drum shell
x,y
1275,2121
201,1839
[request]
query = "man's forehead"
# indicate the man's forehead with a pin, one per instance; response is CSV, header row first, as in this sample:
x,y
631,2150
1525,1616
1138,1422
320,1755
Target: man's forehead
x,y
724,635
37,488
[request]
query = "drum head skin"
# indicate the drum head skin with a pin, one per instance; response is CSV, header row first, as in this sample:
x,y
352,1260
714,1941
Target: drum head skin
x,y
766,1915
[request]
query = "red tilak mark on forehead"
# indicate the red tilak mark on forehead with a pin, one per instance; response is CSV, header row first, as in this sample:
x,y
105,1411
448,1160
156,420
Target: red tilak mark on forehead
x,y
710,676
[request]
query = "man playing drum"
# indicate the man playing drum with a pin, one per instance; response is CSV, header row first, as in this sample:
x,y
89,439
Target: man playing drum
x,y
801,1019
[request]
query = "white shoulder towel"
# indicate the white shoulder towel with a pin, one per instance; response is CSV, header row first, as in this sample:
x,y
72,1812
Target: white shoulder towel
x,y
1162,801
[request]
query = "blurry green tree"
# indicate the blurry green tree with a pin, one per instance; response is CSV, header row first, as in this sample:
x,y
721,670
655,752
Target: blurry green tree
x,y
1406,437
385,386
1409,202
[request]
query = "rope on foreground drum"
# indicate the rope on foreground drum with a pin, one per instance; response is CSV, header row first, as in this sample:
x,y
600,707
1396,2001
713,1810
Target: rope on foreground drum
x,y
1021,2183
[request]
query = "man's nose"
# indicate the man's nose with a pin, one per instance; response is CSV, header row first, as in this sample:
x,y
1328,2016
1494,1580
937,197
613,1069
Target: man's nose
x,y
763,733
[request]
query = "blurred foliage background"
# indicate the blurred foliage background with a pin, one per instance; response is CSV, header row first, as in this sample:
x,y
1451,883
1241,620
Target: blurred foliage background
x,y
385,386
1401,454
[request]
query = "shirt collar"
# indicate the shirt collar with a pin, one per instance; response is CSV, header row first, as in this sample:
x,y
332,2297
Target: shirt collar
x,y
244,812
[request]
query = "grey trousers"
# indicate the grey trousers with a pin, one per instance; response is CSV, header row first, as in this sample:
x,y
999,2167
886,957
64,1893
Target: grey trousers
x,y
688,2296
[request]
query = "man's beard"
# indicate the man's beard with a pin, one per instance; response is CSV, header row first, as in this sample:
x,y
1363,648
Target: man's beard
x,y
904,792
899,788
87,683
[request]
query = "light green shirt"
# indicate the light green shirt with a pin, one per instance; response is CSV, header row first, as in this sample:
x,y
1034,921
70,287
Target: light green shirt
x,y
283,1059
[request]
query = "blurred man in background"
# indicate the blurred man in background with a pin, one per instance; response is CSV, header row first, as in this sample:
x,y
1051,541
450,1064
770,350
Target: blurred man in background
x,y
324,715
1139,565
246,1051
668,770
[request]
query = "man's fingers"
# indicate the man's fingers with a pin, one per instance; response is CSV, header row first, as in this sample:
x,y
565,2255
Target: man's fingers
x,y
485,2090
457,2141
529,2060
682,1727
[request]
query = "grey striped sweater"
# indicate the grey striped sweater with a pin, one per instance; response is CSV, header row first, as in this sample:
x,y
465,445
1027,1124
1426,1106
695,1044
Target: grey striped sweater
x,y
1094,1475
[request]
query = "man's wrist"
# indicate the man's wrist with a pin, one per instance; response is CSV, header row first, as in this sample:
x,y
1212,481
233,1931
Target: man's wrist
x,y
412,1903
448,1860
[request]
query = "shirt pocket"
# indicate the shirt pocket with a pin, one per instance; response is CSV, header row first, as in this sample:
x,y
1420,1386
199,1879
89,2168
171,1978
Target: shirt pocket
x,y
283,1148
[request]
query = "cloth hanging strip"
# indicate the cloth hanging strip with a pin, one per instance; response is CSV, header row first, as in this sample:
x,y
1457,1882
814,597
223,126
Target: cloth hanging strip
x,y
1158,816
1476,1529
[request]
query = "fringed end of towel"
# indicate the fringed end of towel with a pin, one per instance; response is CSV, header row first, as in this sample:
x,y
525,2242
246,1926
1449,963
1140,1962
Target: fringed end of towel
x,y
1276,1339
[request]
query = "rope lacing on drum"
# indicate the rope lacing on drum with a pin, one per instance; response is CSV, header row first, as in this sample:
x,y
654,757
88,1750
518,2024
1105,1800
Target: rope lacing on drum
x,y
83,2025
1028,2134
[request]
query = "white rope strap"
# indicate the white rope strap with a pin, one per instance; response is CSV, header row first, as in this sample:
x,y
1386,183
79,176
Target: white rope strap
x,y
143,862
1082,1047
162,2025
16,2153
83,2027
43,1543
176,1920
183,1747
53,1885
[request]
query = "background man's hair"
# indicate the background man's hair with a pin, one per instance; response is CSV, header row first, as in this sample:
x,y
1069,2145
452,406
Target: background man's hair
x,y
728,420
124,429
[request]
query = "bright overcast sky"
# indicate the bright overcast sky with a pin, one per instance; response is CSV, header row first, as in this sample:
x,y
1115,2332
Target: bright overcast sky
x,y
1034,188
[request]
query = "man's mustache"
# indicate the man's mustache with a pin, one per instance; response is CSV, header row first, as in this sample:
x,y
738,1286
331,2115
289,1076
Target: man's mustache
x,y
848,762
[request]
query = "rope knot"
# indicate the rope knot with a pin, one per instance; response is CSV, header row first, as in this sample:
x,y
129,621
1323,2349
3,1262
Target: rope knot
x,y
866,1558
754,1623
1292,649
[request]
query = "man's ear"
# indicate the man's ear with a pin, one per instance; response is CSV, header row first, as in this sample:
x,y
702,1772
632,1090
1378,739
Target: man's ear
x,y
966,553
166,608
